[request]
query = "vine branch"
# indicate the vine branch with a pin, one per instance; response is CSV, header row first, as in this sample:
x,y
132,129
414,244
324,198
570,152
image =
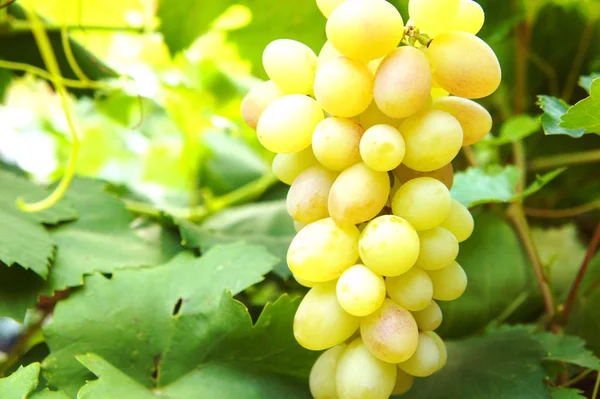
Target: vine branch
x,y
555,161
562,213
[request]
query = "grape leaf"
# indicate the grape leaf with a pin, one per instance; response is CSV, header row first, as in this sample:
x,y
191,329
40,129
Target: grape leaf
x,y
21,383
19,290
128,319
586,113
566,393
515,129
568,349
554,108
585,81
48,394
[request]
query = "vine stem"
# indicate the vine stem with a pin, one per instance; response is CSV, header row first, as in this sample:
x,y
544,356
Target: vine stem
x,y
562,213
555,161
595,393
577,378
17,27
76,84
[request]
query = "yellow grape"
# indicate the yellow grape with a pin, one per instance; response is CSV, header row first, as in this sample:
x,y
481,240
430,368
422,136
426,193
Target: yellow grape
x,y
403,82
404,383
464,65
304,283
358,194
328,52
322,373
360,291
476,121
373,116
439,248
395,187
433,138
429,318
299,225
445,174
441,348
360,375
307,198
323,250
291,65
449,283
470,17
257,99
336,142
390,333
424,202
365,30
382,148
373,65
411,290
344,87
432,15
459,221
438,92
426,359
389,245
320,322
327,6
287,124
287,167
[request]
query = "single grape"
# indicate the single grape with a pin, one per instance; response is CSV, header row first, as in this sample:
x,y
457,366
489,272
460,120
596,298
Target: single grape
x,y
404,383
439,248
322,375
382,148
307,198
291,65
449,283
441,348
403,82
365,30
432,15
360,375
459,221
424,202
304,283
360,291
336,142
429,318
320,322
470,17
323,250
287,167
257,100
445,174
426,359
373,116
344,87
390,333
433,138
389,245
411,290
358,194
327,6
287,124
476,121
328,52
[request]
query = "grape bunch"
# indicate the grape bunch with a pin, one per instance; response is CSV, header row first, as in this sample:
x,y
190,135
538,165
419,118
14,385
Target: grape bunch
x,y
365,134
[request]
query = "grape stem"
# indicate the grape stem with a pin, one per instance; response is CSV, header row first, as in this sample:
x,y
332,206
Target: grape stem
x,y
412,35
562,213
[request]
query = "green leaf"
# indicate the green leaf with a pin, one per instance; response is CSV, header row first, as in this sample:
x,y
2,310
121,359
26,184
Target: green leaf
x,y
267,224
515,129
48,394
554,108
19,290
586,113
128,319
568,349
585,81
566,393
21,383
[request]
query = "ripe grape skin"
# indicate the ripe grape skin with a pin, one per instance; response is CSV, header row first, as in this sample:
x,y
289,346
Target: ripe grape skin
x,y
307,198
389,245
360,291
358,194
299,225
424,202
449,283
320,322
287,167
403,83
445,174
323,250
476,121
464,65
257,100
439,248
426,359
429,318
361,375
470,17
327,6
322,374
404,383
304,283
365,30
412,290
373,116
291,65
336,143
459,221
390,333
433,15
344,87
382,148
287,124
433,139
328,52
441,348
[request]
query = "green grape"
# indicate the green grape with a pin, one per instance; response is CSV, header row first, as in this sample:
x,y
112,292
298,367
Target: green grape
x,y
336,141
307,198
358,194
287,124
323,250
360,291
476,121
445,174
424,202
459,221
449,283
322,375
382,148
320,322
360,375
305,283
373,65
344,87
433,138
429,318
433,15
373,116
257,99
365,30
327,6
464,65
299,225
426,359
291,65
439,248
287,167
389,245
390,333
411,290
438,92
328,52
470,17
403,82
404,383
441,348
395,187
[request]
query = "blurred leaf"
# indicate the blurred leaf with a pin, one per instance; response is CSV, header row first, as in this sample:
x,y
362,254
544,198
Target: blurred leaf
x,y
515,129
566,393
585,81
19,291
48,394
554,108
568,349
585,319
5,79
21,383
586,113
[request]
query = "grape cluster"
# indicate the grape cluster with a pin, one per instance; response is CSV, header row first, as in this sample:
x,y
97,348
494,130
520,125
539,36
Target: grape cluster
x,y
365,134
